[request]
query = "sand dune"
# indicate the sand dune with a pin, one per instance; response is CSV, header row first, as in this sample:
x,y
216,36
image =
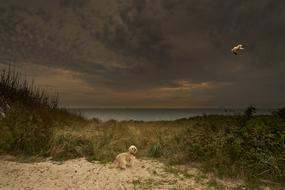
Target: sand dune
x,y
80,174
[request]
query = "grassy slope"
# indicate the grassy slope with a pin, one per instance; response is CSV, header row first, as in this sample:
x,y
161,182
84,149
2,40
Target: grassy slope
x,y
30,116
227,145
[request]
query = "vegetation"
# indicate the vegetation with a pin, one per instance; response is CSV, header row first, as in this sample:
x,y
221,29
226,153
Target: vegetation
x,y
280,113
218,143
243,146
249,111
28,116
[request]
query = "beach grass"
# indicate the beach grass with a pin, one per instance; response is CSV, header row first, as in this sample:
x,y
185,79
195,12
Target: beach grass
x,y
220,144
28,115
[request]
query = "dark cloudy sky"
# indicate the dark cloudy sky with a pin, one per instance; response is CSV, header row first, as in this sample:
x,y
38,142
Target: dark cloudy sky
x,y
149,53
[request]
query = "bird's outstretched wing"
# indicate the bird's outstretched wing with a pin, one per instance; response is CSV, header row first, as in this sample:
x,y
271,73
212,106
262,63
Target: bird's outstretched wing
x,y
234,51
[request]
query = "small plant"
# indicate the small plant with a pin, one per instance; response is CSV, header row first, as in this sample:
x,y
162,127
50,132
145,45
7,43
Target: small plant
x,y
155,150
280,113
248,113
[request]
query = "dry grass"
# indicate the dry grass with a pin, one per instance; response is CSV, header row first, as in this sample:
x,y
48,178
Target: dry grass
x,y
219,143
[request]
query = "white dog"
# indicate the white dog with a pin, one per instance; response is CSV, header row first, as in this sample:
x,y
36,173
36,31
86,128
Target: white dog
x,y
126,158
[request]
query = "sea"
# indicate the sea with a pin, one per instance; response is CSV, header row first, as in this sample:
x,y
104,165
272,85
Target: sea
x,y
156,114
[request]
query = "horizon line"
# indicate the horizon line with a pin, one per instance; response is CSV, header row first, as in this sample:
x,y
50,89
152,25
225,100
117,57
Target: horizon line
x,y
138,107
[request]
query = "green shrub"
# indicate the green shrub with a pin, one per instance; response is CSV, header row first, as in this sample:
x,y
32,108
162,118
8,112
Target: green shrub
x,y
280,113
256,150
249,111
155,151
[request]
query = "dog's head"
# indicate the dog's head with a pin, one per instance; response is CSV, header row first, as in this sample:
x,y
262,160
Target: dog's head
x,y
133,149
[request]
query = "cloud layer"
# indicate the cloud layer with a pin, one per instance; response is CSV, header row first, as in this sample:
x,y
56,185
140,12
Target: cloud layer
x,y
159,53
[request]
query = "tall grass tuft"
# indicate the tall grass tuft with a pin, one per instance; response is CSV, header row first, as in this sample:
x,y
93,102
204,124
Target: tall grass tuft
x,y
14,89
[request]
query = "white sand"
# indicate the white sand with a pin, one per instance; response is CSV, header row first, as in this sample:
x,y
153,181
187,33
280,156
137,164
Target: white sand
x,y
80,174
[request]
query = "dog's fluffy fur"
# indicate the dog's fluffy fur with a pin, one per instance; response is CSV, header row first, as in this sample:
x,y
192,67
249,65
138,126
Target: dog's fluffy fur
x,y
126,158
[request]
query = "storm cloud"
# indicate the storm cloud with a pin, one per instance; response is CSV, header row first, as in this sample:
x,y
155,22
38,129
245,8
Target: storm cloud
x,y
150,53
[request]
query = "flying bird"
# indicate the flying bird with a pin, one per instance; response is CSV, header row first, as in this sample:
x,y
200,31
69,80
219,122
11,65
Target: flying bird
x,y
237,48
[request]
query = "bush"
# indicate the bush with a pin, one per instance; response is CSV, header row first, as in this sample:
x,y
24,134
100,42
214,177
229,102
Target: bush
x,y
249,111
255,150
280,113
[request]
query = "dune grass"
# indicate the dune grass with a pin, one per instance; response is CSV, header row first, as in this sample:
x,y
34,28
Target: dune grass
x,y
225,145
28,116
13,89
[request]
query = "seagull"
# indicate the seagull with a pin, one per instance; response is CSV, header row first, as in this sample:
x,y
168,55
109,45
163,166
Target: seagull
x,y
237,48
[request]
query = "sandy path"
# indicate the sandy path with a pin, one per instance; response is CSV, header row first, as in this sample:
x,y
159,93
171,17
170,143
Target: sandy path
x,y
80,174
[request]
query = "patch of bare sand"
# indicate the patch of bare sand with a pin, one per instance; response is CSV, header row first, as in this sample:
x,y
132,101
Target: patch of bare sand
x,y
80,174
